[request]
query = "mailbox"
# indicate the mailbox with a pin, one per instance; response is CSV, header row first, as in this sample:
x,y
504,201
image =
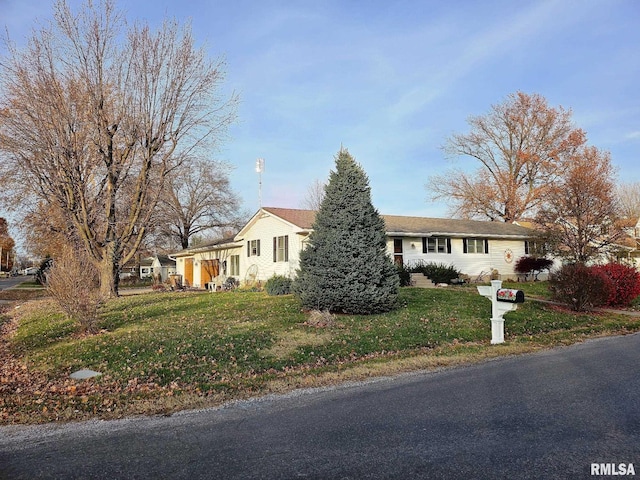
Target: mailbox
x,y
510,295
503,300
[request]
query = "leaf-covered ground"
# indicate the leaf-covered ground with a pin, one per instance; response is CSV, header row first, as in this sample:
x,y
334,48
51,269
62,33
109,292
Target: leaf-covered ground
x,y
162,352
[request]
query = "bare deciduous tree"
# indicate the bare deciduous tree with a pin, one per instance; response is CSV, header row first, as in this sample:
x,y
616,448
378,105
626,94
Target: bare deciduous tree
x,y
314,195
517,145
198,198
73,282
629,200
95,114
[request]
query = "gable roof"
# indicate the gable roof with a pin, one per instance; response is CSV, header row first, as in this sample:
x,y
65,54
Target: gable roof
x,y
165,261
301,218
146,262
399,225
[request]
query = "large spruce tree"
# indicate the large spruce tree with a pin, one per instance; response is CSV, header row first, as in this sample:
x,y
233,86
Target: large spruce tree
x,y
345,267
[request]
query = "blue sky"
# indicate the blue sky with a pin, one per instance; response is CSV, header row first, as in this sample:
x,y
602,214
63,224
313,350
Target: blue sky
x,y
391,81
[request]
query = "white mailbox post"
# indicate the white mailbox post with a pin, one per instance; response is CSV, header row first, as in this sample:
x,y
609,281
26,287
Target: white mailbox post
x,y
503,300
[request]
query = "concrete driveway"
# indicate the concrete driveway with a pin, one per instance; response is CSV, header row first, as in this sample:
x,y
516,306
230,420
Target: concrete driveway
x,y
539,416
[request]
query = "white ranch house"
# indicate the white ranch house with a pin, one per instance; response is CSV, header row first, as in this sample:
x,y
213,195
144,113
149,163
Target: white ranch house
x,y
271,242
160,266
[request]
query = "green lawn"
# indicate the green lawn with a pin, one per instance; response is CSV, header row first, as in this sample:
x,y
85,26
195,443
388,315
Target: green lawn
x,y
530,289
161,352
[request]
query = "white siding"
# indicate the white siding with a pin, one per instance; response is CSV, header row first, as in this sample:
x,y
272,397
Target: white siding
x,y
164,271
498,253
222,255
411,249
472,264
266,229
180,266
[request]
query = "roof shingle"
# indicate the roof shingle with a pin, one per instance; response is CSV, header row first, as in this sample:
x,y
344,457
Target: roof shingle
x,y
402,225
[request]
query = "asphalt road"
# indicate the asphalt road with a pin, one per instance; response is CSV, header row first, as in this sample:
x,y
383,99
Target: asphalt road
x,y
545,416
8,282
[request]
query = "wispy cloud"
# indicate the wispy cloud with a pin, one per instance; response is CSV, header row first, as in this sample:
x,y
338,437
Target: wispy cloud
x,y
466,53
633,135
390,80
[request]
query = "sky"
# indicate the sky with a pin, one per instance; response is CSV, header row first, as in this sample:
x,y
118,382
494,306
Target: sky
x,y
391,81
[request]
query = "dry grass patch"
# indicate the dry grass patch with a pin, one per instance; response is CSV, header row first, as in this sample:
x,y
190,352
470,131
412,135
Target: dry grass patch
x,y
321,319
427,360
22,295
288,342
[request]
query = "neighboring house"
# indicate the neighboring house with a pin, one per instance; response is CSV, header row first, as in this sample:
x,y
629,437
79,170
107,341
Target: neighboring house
x,y
271,242
631,229
615,241
158,265
146,267
129,269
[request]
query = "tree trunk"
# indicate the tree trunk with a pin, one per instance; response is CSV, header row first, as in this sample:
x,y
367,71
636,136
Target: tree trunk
x,y
184,239
109,273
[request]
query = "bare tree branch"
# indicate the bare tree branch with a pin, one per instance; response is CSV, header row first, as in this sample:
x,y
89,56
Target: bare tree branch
x,y
96,114
198,198
315,195
517,146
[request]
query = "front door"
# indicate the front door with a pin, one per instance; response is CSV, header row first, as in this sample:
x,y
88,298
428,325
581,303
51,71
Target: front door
x,y
397,251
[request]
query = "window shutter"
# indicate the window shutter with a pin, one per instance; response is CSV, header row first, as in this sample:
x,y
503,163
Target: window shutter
x,y
526,247
448,245
275,249
424,245
248,248
258,247
486,246
286,248
464,246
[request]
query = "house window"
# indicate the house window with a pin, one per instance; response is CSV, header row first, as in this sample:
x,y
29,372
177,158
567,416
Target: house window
x,y
397,251
475,245
436,245
253,248
534,247
281,249
234,268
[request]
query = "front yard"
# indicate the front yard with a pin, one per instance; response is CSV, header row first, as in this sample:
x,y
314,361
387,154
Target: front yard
x,y
162,352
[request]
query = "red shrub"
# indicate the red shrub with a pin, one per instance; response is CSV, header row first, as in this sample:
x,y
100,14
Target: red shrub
x,y
580,286
625,281
532,265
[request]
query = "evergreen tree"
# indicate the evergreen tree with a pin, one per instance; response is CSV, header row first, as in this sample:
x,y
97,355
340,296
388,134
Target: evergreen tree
x,y
345,266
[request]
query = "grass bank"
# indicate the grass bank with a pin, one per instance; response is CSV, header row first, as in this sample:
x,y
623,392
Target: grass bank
x,y
162,352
